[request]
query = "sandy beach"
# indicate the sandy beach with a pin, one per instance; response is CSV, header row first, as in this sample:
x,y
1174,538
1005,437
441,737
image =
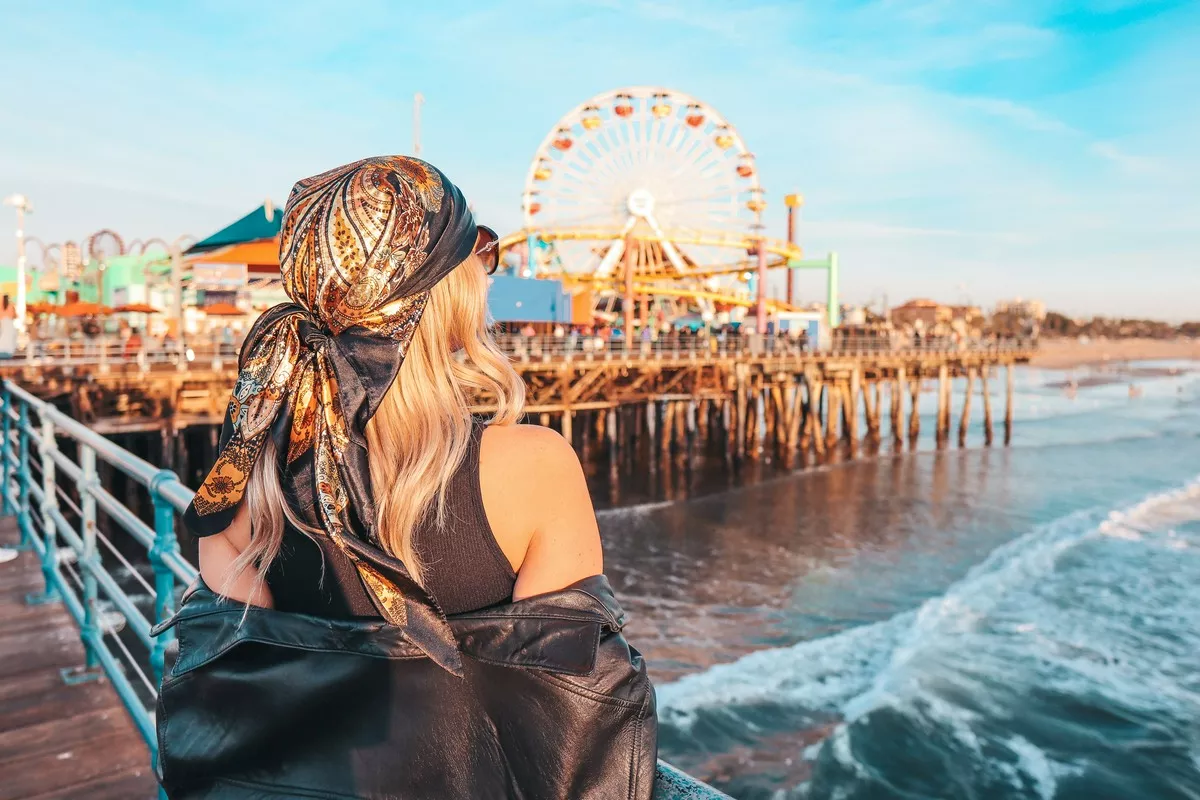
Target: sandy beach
x,y
1068,353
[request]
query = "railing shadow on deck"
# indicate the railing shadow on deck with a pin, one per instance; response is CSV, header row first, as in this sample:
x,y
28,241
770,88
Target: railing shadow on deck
x,y
78,560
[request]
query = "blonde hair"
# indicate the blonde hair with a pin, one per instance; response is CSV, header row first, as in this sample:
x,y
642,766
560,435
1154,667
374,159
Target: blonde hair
x,y
420,433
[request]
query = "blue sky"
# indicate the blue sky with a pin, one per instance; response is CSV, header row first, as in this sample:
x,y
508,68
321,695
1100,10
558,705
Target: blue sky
x,y
960,149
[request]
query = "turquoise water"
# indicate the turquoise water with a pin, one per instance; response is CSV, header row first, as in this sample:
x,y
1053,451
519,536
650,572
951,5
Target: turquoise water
x,y
1017,622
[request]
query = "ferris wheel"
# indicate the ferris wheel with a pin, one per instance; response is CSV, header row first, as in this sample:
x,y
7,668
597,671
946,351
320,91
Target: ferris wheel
x,y
646,168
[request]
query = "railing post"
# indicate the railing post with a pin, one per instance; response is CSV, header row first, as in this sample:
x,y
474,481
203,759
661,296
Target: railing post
x,y
164,580
23,477
49,505
6,450
89,560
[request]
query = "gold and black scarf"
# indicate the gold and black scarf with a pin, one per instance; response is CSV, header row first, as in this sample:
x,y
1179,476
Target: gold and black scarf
x,y
359,250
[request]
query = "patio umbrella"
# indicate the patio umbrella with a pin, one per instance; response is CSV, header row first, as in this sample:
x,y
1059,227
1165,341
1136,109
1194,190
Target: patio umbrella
x,y
136,308
40,308
223,310
82,308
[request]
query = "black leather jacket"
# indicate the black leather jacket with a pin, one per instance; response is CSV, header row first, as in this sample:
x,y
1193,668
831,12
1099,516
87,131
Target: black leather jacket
x,y
553,704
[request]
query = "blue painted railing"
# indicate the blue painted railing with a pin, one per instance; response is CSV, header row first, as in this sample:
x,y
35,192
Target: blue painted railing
x,y
72,553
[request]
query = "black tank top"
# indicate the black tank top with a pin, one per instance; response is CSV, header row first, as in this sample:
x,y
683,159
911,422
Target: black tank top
x,y
464,567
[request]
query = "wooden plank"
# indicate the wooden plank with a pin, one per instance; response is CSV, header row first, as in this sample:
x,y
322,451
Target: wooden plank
x,y
74,769
57,741
59,735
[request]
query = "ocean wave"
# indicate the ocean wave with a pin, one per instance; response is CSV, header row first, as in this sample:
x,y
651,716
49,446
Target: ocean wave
x,y
974,694
635,509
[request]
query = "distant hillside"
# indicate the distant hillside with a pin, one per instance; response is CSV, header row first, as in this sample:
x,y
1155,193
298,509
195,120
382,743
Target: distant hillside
x,y
1056,324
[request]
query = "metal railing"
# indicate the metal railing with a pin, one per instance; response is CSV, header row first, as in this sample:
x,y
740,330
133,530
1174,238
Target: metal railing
x,y
106,354
59,520
676,347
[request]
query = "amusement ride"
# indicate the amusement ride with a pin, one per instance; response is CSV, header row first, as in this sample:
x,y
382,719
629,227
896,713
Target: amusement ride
x,y
651,199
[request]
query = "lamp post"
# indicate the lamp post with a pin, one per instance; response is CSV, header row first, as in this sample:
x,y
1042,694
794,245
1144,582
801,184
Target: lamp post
x,y
44,262
418,101
21,203
793,202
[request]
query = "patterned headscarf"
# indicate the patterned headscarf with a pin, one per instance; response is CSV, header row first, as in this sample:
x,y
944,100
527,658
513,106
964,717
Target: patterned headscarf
x,y
360,248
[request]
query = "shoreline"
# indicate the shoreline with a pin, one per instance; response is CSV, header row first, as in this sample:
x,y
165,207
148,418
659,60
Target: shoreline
x,y
1073,354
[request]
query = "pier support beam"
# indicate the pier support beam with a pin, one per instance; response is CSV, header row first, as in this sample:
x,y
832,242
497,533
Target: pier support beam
x,y
965,422
1008,406
914,416
943,408
987,405
854,389
819,399
833,398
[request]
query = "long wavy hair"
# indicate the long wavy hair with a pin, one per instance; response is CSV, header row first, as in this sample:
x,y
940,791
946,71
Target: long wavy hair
x,y
420,434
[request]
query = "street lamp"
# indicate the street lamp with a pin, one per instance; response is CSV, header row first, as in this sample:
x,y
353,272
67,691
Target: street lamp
x,y
21,203
175,252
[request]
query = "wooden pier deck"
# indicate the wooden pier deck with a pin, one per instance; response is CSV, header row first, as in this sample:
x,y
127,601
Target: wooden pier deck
x,y
57,741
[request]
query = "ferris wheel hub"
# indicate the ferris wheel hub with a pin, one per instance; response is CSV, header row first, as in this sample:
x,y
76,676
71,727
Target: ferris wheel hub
x,y
640,203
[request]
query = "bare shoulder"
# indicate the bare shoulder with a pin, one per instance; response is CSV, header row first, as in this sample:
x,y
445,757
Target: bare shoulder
x,y
531,446
537,502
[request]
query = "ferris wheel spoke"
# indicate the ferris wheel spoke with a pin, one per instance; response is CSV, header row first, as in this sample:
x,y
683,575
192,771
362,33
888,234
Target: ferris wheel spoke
x,y
615,250
687,158
618,139
630,145
603,155
595,165
678,134
718,195
667,246
556,197
579,205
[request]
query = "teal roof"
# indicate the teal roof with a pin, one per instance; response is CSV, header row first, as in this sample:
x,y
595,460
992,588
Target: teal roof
x,y
258,224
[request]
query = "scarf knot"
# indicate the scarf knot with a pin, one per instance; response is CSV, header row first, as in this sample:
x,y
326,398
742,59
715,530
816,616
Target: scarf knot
x,y
313,334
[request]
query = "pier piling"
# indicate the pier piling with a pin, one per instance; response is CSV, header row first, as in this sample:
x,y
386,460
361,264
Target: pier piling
x,y
987,405
1008,406
965,422
914,416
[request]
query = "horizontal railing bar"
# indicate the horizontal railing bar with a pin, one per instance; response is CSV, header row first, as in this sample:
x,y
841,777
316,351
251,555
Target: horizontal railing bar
x,y
120,514
180,566
65,530
138,468
35,436
175,493
68,466
63,497
132,662
133,572
134,618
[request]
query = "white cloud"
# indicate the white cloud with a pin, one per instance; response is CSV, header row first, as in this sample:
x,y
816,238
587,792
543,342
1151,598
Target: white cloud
x,y
1132,164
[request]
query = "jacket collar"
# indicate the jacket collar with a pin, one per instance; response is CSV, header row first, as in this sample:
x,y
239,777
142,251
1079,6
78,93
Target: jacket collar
x,y
558,631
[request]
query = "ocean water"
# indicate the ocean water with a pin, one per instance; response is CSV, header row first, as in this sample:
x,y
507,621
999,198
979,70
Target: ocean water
x,y
1017,622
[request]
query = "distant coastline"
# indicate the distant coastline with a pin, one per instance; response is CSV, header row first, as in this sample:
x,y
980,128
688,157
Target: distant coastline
x,y
1067,353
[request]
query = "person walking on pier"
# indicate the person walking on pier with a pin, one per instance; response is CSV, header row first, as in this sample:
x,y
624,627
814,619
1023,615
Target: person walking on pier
x,y
8,328
396,599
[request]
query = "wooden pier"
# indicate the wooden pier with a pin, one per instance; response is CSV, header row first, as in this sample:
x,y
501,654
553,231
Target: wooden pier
x,y
57,741
750,399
